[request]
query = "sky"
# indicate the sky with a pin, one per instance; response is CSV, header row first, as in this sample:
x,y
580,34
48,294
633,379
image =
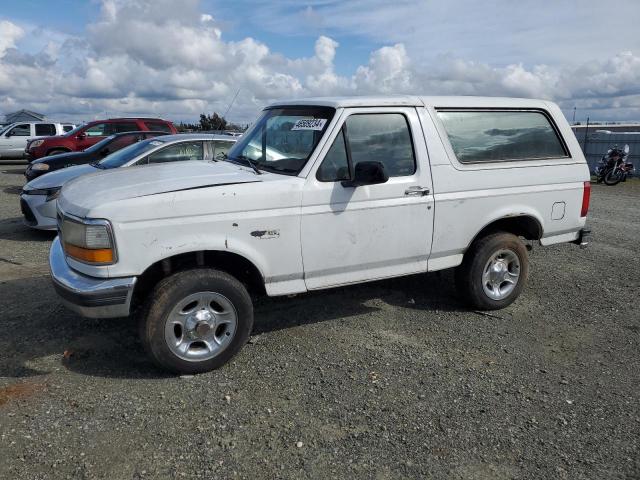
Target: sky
x,y
81,60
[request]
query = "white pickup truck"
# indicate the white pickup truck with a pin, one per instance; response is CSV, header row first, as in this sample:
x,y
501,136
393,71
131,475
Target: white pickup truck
x,y
15,137
321,193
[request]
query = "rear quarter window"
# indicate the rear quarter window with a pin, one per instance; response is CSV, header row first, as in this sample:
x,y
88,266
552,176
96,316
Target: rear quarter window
x,y
158,126
45,129
481,136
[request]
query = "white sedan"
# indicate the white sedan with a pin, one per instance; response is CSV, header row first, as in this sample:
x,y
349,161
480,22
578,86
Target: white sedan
x,y
38,197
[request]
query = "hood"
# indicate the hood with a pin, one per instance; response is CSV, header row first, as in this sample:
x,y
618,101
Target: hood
x,y
58,177
81,195
60,158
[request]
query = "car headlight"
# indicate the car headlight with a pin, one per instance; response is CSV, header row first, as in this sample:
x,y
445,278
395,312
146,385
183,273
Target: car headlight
x,y
40,167
89,242
36,143
51,193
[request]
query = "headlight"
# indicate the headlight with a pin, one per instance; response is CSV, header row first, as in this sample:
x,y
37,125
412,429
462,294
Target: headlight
x,y
51,193
90,242
40,166
36,143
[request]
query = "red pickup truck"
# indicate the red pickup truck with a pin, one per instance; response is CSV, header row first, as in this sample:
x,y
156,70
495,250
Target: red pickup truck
x,y
85,135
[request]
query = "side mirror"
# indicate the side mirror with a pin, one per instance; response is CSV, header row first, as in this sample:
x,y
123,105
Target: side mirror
x,y
8,134
367,173
81,136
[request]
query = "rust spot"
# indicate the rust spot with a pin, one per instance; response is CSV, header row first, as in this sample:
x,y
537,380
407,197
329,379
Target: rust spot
x,y
19,391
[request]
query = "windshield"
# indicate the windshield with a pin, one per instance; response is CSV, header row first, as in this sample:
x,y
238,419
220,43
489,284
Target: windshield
x,y
120,157
5,128
71,133
282,139
100,145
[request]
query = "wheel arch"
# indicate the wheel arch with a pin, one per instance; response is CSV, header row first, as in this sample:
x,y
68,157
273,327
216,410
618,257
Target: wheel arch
x,y
53,149
525,225
232,263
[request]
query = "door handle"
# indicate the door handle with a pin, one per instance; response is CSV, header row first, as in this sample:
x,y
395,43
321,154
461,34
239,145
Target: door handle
x,y
416,191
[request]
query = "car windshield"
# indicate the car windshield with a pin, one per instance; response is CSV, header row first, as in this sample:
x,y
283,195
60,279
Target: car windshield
x,y
120,157
71,133
100,145
5,128
282,139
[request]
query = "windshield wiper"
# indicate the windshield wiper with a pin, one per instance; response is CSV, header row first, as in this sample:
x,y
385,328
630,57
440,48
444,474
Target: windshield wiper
x,y
97,165
250,162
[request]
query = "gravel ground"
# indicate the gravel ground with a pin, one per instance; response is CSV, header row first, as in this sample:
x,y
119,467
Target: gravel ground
x,y
394,379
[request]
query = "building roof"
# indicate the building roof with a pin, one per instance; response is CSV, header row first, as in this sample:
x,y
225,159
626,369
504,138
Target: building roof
x,y
36,115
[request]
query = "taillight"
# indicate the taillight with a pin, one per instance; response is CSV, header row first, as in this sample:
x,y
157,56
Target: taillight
x,y
586,195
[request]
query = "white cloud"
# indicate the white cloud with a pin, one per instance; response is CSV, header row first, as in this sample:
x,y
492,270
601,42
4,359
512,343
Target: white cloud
x,y
143,57
9,33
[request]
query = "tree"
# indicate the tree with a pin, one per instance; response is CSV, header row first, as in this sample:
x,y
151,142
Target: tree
x,y
212,122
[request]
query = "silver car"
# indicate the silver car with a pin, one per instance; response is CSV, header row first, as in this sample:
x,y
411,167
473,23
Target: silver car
x,y
38,197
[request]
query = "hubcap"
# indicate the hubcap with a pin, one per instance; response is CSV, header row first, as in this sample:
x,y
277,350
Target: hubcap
x,y
500,275
201,326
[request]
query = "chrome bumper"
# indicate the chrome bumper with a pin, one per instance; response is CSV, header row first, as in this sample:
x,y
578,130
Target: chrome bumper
x,y
89,296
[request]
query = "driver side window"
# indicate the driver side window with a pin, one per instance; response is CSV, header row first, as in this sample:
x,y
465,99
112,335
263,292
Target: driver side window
x,y
335,166
21,130
97,130
378,137
178,152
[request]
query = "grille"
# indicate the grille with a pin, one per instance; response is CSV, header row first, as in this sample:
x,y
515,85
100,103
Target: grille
x,y
27,212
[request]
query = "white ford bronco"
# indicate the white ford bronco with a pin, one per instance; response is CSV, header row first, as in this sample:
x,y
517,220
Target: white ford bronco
x,y
321,193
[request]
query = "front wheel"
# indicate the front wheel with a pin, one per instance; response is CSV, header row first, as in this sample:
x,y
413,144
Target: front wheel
x,y
494,271
196,321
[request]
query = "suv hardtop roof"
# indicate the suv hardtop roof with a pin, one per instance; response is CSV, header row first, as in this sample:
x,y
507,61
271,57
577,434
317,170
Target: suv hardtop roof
x,y
134,118
417,101
197,136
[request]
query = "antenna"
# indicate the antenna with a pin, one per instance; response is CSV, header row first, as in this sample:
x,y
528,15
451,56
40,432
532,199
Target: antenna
x,y
224,116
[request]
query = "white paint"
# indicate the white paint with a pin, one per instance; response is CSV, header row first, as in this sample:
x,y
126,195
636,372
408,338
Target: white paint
x,y
331,235
13,146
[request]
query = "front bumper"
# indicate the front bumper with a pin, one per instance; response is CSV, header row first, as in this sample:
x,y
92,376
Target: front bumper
x,y
30,173
38,212
89,296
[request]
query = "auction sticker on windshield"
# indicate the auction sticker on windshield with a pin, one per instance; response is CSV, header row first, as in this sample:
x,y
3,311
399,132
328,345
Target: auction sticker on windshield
x,y
309,124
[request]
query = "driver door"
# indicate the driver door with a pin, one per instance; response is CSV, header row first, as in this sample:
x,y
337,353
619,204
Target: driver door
x,y
17,140
354,234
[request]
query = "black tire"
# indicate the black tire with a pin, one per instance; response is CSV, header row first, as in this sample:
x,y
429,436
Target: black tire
x,y
56,151
469,275
166,296
613,177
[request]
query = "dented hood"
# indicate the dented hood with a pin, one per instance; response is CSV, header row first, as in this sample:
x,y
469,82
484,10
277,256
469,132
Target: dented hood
x,y
80,195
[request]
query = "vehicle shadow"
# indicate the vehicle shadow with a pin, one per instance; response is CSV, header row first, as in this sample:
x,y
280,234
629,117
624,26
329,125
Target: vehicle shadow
x,y
39,334
14,229
12,189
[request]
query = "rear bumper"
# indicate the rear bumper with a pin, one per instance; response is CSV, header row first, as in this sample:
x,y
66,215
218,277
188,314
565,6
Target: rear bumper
x,y
584,238
89,296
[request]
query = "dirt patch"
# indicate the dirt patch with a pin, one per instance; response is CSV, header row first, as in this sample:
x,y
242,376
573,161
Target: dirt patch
x,y
20,391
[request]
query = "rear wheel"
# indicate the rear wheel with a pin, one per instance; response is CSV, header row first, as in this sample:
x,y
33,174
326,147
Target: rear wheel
x,y
196,321
494,271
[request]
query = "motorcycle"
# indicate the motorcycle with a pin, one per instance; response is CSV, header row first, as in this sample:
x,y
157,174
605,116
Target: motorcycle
x,y
614,167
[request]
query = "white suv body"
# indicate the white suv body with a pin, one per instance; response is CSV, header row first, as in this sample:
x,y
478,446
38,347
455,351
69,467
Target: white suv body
x,y
387,186
14,138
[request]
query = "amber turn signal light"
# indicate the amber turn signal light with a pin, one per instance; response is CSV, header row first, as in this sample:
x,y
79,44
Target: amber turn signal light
x,y
100,255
